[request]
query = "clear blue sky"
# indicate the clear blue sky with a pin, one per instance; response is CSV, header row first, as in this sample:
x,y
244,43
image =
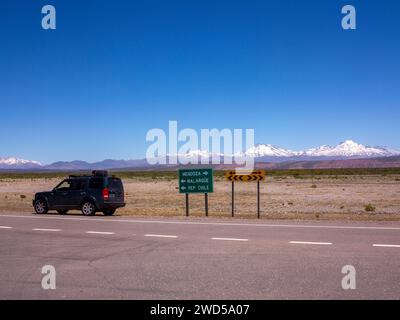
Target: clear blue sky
x,y
115,69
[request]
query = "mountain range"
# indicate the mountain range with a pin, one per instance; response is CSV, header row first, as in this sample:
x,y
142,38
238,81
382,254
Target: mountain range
x,y
262,153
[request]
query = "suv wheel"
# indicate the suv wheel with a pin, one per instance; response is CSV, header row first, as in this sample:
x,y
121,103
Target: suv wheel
x,y
88,208
109,212
41,206
62,211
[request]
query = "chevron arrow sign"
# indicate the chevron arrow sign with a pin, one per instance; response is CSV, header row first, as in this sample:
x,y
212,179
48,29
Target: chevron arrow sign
x,y
258,175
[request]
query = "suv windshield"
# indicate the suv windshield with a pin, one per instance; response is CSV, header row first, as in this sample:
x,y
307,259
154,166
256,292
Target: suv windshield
x,y
64,185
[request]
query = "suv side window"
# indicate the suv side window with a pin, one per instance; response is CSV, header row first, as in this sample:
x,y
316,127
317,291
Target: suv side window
x,y
77,184
96,183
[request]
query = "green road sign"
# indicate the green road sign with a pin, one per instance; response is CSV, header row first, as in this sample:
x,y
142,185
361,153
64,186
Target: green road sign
x,y
196,181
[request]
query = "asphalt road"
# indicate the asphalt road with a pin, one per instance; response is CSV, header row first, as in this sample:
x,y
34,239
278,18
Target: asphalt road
x,y
163,258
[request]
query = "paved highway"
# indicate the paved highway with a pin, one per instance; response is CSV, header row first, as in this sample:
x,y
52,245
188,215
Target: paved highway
x,y
164,258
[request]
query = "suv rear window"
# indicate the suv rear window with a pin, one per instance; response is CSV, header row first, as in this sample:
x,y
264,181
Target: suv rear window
x,y
115,183
96,183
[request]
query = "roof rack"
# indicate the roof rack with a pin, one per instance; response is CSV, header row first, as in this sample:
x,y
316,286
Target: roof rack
x,y
95,173
79,176
100,173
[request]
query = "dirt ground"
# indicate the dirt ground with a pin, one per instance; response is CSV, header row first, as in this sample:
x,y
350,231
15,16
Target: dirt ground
x,y
337,197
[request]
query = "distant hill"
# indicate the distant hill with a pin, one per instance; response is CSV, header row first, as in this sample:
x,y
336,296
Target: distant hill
x,y
105,164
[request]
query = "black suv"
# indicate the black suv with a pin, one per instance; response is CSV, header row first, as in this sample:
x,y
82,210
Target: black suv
x,y
98,192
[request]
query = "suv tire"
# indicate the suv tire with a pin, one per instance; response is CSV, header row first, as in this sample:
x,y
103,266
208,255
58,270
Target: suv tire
x,y
109,212
88,208
41,206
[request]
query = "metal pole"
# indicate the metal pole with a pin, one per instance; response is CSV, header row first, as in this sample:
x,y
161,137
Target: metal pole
x,y
206,203
187,204
258,199
233,198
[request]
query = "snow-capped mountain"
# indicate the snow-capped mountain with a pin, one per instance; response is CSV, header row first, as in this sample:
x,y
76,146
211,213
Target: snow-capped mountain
x,y
270,153
346,149
261,152
268,150
350,148
11,162
195,154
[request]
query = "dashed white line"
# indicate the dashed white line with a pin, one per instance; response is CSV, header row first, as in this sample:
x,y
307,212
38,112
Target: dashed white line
x,y
160,236
5,227
229,239
49,230
386,245
99,232
208,223
310,242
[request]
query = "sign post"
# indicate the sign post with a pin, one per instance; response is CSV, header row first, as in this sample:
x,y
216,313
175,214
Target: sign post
x,y
196,181
206,203
187,204
258,199
233,198
258,176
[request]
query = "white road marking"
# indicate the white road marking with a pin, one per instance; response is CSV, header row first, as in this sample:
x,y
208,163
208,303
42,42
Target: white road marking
x,y
230,239
386,245
50,230
5,227
99,232
208,223
309,242
160,236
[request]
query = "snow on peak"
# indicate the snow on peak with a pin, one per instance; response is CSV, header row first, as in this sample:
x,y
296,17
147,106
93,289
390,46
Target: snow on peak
x,y
195,154
349,148
262,150
12,161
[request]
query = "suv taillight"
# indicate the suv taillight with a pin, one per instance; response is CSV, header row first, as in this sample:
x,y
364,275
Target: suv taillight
x,y
106,194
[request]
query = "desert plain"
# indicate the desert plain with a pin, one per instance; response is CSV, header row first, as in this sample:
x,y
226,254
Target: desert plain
x,y
303,197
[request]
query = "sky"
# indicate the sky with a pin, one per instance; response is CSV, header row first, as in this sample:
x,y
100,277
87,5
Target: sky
x,y
112,70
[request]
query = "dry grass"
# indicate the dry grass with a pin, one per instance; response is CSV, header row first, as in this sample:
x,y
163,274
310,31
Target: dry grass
x,y
335,197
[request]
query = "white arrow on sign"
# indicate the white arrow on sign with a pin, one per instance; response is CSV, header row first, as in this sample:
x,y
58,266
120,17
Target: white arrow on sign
x,y
205,172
